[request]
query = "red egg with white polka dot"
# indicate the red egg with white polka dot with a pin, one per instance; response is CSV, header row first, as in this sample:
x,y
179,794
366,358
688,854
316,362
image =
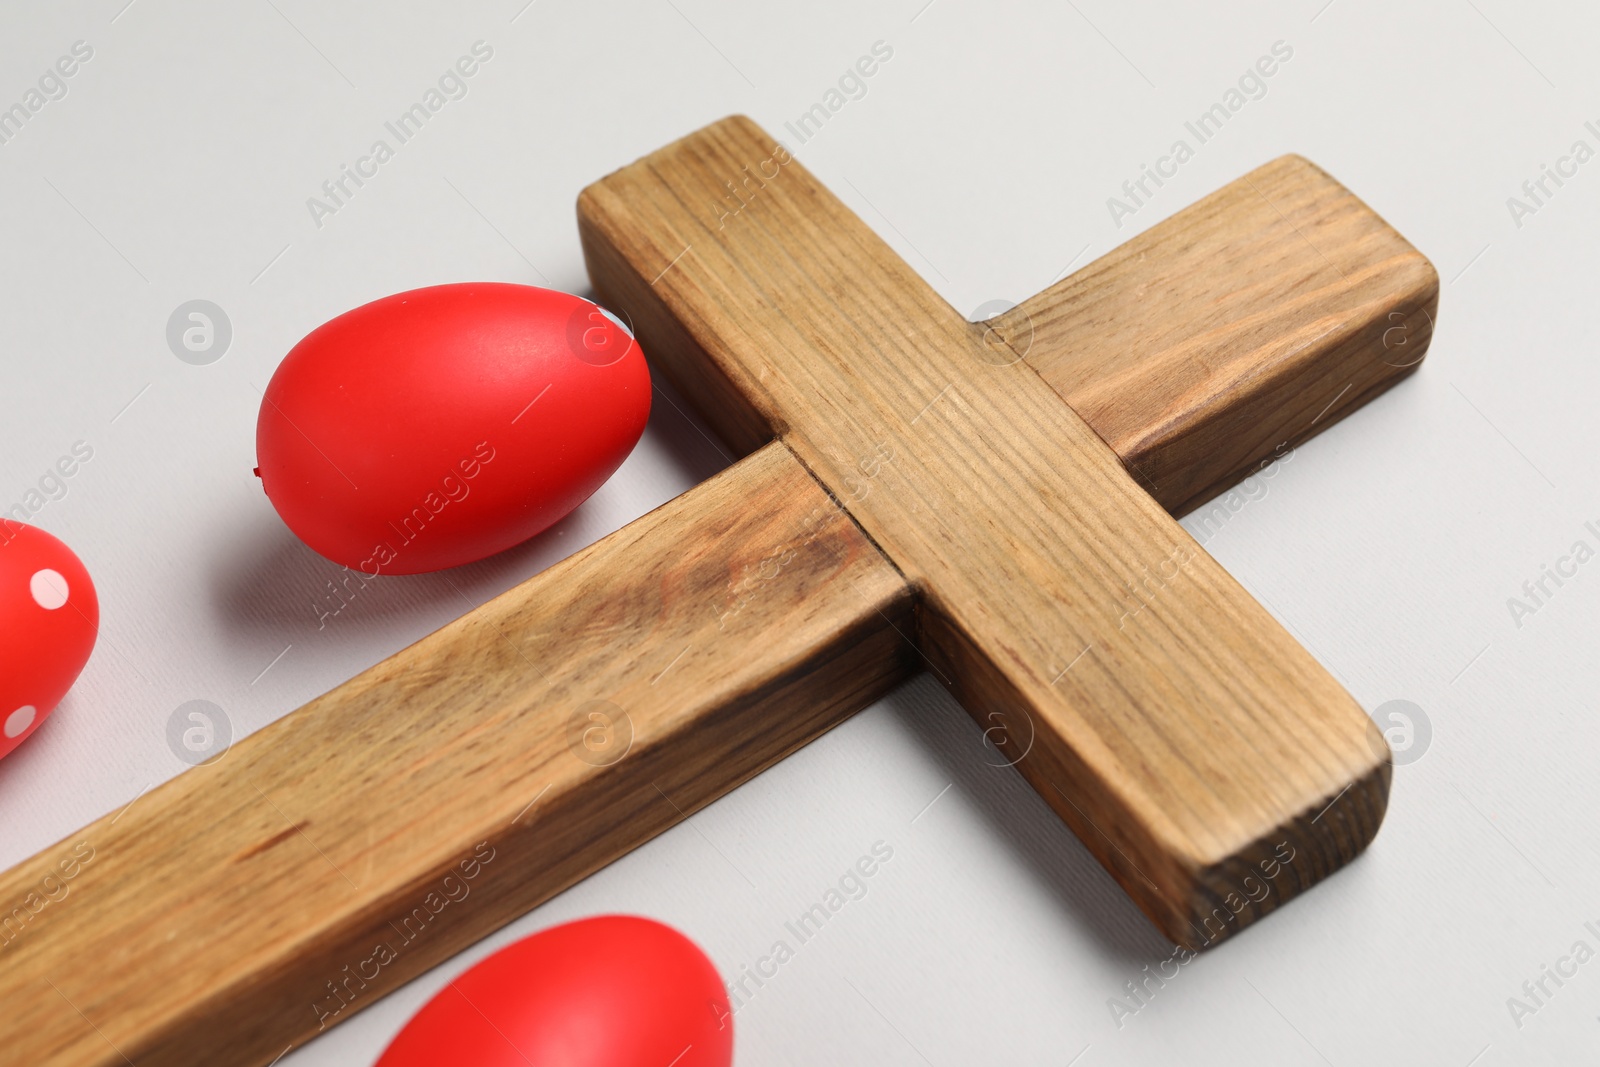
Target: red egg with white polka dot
x,y
49,616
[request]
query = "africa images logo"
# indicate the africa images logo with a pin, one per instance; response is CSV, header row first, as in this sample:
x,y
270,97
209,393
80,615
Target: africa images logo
x,y
52,85
452,85
1252,85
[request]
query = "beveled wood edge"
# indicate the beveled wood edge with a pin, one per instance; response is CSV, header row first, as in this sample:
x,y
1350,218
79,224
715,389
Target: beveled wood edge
x,y
1367,344
1292,859
1195,904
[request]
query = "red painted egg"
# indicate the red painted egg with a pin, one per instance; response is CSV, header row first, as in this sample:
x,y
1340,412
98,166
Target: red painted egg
x,y
612,991
439,426
49,616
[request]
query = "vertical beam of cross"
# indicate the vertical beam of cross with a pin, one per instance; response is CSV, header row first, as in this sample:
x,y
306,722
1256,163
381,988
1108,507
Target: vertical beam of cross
x,y
1192,737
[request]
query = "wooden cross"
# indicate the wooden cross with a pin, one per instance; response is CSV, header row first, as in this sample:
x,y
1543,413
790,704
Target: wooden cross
x,y
989,502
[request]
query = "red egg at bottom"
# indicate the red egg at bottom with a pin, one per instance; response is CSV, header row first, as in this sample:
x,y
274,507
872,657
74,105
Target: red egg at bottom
x,y
49,616
611,991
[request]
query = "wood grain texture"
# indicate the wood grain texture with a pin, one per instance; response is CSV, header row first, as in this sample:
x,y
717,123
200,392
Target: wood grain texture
x,y
241,906
1160,710
1207,761
1238,328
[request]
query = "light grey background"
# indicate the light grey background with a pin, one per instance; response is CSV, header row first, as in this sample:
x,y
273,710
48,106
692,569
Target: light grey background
x,y
178,166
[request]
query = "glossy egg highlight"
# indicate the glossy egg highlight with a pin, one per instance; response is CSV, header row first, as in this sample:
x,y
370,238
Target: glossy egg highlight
x,y
439,426
611,991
